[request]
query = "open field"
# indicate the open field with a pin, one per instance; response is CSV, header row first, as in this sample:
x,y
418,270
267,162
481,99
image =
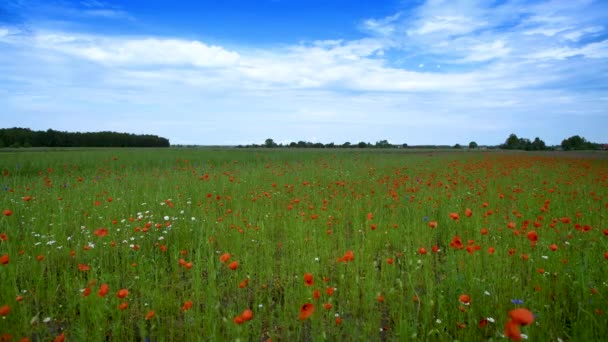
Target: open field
x,y
203,244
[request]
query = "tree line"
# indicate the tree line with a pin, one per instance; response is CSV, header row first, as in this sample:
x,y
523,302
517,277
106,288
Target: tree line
x,y
572,143
25,137
513,142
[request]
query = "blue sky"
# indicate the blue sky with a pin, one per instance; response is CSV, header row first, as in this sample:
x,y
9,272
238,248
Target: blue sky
x,y
237,72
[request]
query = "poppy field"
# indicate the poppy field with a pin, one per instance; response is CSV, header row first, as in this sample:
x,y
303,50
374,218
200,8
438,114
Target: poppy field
x,y
257,245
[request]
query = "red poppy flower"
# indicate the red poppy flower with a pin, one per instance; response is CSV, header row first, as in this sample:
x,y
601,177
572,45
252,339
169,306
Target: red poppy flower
x,y
224,257
5,310
151,314
456,242
422,251
370,216
123,306
521,316
59,338
553,247
309,279
7,212
238,320
40,257
86,292
83,267
454,216
348,256
512,331
316,294
122,293
187,305
468,212
233,265
247,315
533,237
390,261
464,299
306,311
329,291
103,290
4,259
101,232
433,224
327,306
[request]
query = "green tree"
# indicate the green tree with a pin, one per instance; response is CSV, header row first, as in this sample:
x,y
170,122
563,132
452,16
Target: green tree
x,y
473,145
512,142
269,143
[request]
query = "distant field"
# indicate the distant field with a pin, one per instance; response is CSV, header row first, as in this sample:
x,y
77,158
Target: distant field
x,y
302,244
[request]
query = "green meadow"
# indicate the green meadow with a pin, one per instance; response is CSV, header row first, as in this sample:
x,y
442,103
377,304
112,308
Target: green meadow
x,y
312,245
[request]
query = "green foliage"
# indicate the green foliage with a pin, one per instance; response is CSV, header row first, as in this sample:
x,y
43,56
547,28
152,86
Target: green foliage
x,y
515,143
578,143
473,145
25,137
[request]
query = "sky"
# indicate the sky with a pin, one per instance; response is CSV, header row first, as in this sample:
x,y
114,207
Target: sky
x,y
230,72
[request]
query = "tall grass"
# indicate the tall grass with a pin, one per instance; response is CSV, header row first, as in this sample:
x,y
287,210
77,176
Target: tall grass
x,y
171,214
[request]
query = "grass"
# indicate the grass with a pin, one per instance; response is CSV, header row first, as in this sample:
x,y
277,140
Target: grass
x,y
170,214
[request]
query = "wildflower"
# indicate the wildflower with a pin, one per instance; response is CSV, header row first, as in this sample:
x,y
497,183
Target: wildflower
x,y
238,320
187,305
390,261
4,259
454,216
59,338
533,237
7,212
433,224
306,311
521,316
122,293
468,212
465,299
5,310
512,330
348,256
308,279
224,257
86,292
517,301
456,242
553,247
233,265
316,294
103,290
329,291
123,306
422,251
150,315
247,315
101,232
83,267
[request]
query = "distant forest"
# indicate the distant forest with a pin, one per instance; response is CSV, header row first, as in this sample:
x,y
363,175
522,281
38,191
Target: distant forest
x,y
25,137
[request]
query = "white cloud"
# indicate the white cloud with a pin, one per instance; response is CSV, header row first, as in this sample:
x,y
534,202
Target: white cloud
x,y
139,52
450,25
592,50
488,51
575,35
